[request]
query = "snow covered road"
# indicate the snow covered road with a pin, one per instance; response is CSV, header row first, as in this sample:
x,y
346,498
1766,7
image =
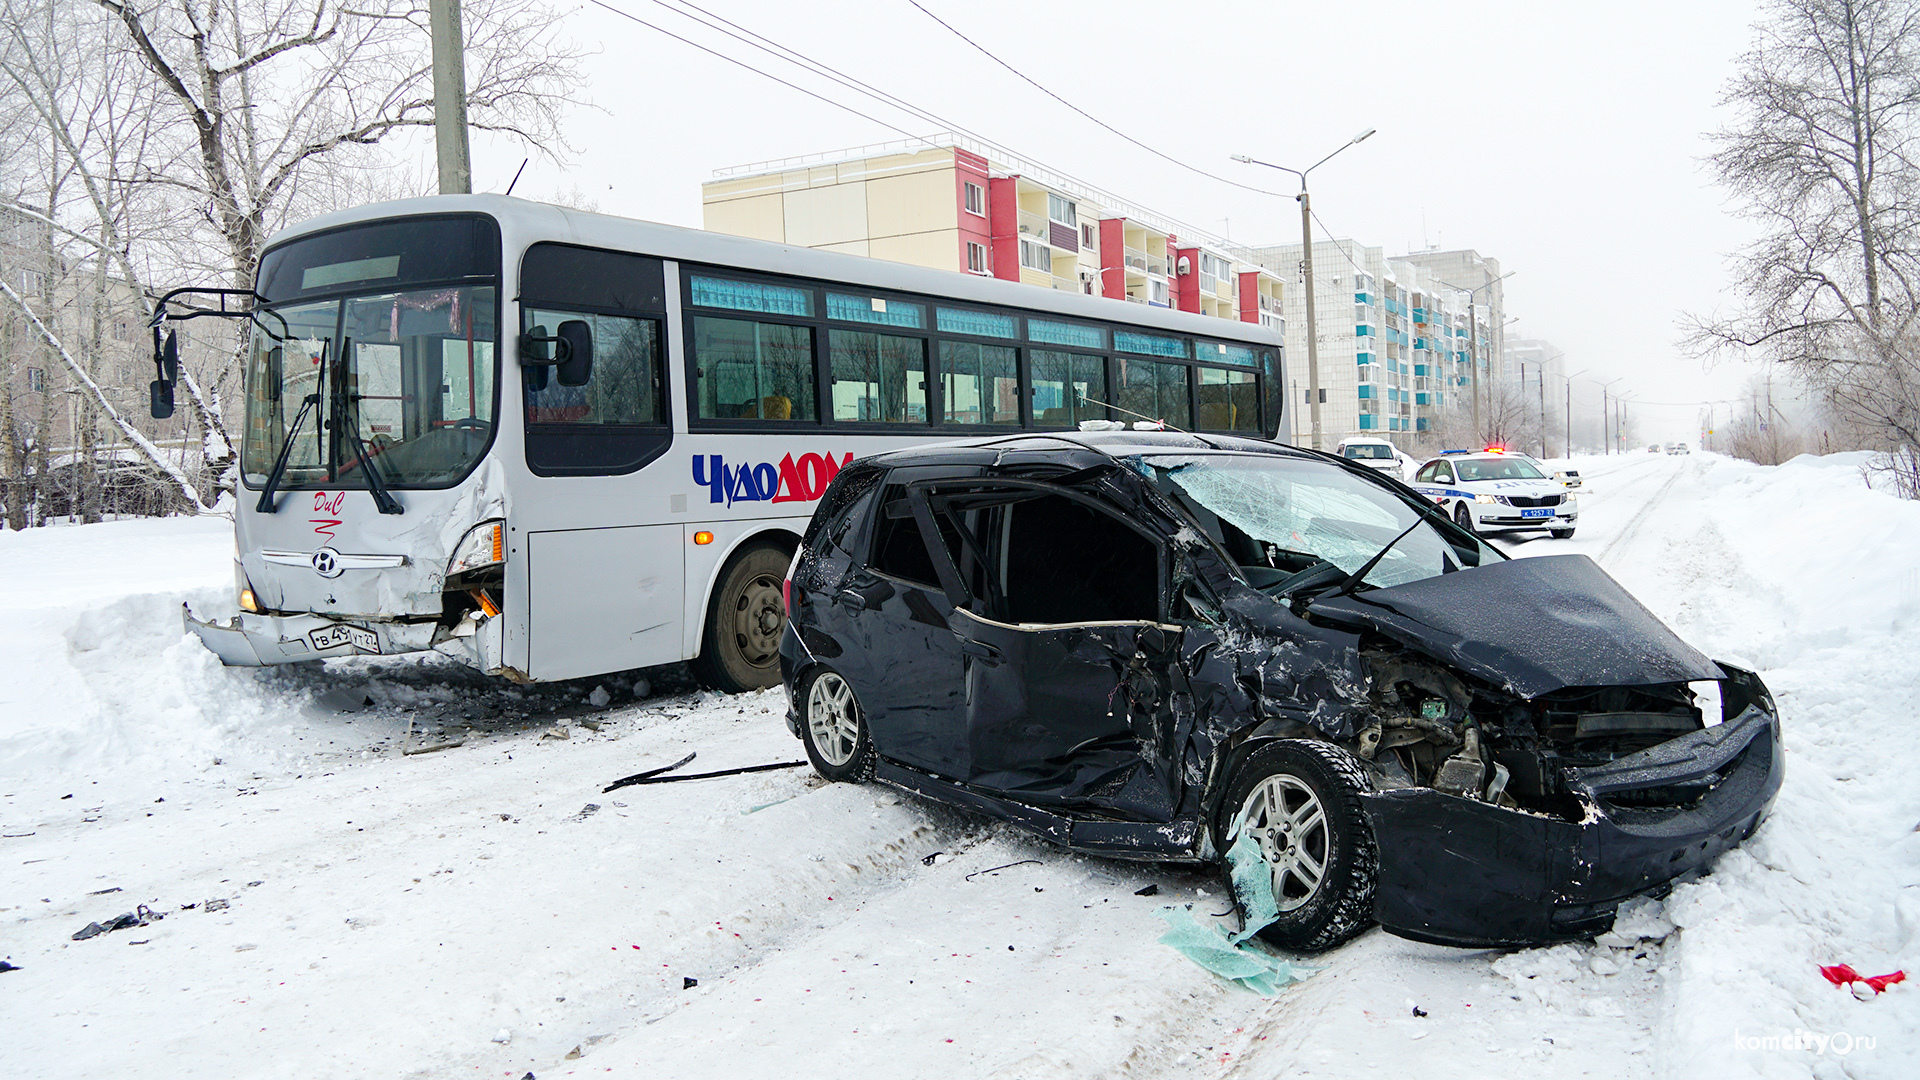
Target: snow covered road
x,y
484,910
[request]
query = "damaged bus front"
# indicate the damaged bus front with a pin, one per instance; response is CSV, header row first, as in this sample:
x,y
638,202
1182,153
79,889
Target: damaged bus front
x,y
370,517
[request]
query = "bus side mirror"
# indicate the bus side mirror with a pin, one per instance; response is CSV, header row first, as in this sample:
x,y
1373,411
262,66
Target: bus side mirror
x,y
576,366
170,359
160,393
275,372
533,358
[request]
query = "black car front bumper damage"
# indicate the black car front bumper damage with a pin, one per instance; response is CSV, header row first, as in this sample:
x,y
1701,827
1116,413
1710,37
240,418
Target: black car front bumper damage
x,y
1456,871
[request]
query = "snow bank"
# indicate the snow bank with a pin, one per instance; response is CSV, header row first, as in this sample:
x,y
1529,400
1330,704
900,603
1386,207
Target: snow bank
x,y
1805,574
98,677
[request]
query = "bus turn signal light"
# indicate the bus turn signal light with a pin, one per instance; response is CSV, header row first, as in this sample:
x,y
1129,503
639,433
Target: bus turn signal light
x,y
703,537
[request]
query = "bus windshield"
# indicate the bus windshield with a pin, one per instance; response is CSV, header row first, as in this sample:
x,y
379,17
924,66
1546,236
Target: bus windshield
x,y
389,350
403,380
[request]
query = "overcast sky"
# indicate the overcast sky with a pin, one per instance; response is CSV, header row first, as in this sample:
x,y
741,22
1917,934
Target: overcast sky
x,y
1565,140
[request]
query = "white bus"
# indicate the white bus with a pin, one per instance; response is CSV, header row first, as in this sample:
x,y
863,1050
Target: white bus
x,y
556,444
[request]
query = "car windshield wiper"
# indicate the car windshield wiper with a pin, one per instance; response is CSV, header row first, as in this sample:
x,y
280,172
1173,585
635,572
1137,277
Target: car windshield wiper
x,y
1353,580
267,491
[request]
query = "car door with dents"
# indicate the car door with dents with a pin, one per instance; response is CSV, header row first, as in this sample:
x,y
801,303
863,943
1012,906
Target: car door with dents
x,y
1067,654
904,662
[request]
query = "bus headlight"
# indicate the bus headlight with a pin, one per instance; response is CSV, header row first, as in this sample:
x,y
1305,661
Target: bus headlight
x,y
484,545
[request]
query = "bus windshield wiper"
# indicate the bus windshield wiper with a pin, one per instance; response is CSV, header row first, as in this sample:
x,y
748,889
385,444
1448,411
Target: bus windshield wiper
x,y
376,484
265,505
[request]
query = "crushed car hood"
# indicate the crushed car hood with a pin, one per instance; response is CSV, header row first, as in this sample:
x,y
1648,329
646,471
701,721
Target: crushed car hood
x,y
1532,626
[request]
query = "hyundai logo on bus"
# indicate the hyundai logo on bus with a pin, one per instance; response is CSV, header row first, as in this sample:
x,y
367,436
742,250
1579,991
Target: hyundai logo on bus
x,y
791,481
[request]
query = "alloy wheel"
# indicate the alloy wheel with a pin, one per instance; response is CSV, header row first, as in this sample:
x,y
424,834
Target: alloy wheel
x,y
832,719
1286,819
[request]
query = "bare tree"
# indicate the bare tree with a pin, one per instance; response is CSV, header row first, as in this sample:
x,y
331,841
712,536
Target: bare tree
x,y
171,139
1822,152
287,99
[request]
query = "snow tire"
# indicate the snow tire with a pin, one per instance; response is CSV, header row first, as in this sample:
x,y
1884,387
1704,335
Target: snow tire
x,y
1341,904
834,728
740,650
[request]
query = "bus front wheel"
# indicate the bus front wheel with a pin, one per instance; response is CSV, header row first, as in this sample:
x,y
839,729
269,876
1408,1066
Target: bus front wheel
x,y
741,648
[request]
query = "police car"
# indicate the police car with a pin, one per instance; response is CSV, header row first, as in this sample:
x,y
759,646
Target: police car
x,y
1493,491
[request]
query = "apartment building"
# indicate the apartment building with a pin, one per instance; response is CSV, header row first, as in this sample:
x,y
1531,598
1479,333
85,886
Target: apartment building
x,y
1395,340
957,204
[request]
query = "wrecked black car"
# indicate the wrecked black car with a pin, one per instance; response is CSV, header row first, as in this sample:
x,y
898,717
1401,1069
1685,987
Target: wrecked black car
x,y
1154,645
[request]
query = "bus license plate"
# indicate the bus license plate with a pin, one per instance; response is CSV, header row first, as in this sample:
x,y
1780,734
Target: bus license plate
x,y
330,637
1543,512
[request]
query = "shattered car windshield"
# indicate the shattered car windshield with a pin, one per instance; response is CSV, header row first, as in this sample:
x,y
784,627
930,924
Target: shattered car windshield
x,y
1289,514
1496,469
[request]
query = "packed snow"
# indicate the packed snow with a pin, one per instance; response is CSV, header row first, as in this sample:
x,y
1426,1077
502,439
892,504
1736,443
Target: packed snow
x,y
397,867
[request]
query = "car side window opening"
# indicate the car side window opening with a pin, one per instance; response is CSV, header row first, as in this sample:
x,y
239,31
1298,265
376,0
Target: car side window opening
x,y
1062,561
1442,474
899,551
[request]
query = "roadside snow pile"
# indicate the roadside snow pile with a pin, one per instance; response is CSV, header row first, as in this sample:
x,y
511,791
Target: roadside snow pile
x,y
97,674
1803,573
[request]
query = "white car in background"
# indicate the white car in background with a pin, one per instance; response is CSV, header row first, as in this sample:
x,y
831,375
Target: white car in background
x,y
1377,454
1494,491
1566,475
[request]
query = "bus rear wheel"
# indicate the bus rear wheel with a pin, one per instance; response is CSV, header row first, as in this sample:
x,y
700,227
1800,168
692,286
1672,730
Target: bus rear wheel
x,y
741,649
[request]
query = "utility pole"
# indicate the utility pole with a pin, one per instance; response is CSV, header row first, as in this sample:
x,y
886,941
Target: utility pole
x,y
1543,410
450,97
1306,266
1313,330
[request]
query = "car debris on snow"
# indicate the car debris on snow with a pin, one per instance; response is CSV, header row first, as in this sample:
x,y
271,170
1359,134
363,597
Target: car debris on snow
x,y
138,917
653,776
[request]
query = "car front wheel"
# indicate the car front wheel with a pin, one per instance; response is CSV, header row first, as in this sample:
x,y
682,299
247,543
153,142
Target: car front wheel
x,y
1463,516
835,730
1300,800
1561,534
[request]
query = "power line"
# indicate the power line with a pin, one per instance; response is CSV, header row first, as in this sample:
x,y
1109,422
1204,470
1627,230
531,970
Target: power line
x,y
800,59
755,70
1084,113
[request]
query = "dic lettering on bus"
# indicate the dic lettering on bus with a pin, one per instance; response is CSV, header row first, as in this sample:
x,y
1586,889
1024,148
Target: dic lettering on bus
x,y
802,480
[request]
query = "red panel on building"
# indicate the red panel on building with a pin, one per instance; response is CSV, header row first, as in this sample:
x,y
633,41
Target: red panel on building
x,y
1186,285
971,168
1113,258
1250,296
1003,215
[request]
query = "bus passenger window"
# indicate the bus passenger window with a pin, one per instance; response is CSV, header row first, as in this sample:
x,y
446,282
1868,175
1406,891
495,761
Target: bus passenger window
x,y
625,387
1150,390
878,377
982,383
1068,388
1229,400
753,370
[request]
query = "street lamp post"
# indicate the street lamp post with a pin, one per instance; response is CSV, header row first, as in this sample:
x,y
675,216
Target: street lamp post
x,y
1473,342
1606,443
1568,448
1306,256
